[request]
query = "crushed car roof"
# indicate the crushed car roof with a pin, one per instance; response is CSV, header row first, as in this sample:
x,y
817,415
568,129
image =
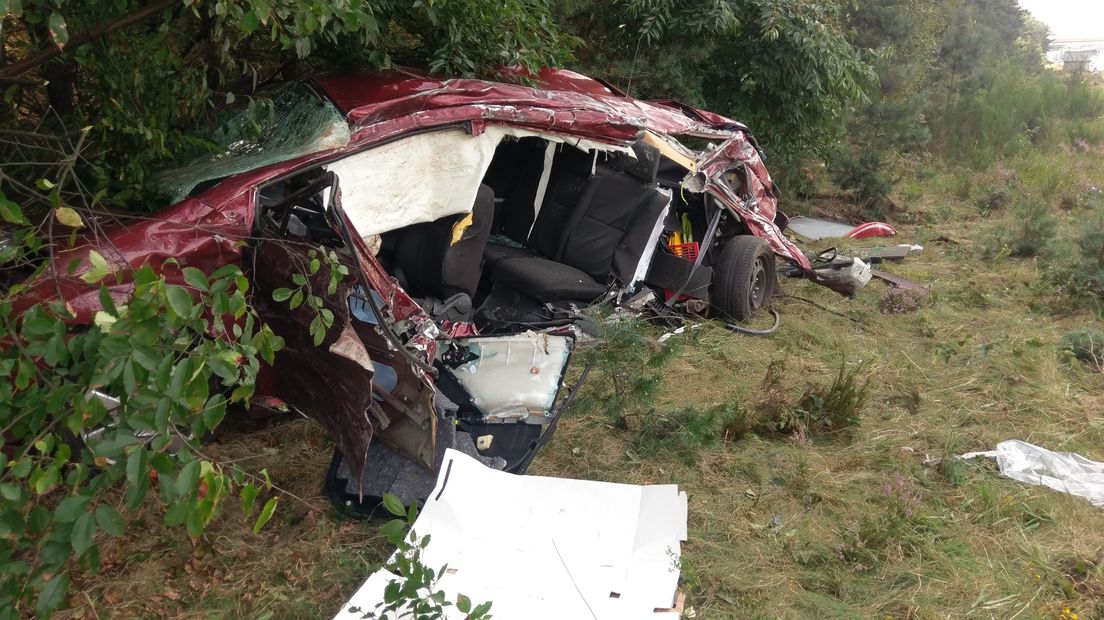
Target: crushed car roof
x,y
559,100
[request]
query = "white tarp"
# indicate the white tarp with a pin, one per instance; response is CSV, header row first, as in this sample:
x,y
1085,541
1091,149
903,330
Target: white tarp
x,y
547,548
1063,471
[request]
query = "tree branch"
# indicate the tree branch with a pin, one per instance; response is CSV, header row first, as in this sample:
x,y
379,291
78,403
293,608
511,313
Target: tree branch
x,y
98,31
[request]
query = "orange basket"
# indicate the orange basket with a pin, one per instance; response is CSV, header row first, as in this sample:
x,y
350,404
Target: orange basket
x,y
685,251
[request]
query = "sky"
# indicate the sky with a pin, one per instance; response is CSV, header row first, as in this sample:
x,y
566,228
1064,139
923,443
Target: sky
x,y
1069,19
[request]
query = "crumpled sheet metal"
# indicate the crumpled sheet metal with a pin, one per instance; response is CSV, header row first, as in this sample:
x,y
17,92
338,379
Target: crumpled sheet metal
x,y
423,100
1067,472
191,233
758,213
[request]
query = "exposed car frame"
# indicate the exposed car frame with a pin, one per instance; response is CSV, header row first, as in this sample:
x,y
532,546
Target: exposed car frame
x,y
431,350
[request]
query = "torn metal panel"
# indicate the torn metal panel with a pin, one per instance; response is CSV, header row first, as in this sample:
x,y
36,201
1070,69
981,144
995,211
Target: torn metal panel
x,y
897,281
516,376
333,389
758,207
602,550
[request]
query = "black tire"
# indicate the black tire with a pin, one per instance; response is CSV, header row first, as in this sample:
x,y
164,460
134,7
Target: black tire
x,y
744,277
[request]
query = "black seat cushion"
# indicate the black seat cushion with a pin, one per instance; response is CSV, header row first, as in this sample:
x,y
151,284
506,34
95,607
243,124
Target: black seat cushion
x,y
546,280
495,252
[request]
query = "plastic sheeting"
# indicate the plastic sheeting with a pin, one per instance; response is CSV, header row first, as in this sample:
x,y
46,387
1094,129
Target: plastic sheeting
x,y
515,376
546,548
1062,471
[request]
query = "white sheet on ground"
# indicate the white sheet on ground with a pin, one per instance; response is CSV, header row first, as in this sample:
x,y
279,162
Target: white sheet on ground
x,y
1063,471
547,548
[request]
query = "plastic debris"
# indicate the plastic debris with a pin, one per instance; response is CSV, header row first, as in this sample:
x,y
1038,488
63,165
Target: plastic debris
x,y
848,278
540,547
1062,471
816,228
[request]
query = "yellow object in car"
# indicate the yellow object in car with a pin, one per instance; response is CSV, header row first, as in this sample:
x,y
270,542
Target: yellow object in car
x,y
459,227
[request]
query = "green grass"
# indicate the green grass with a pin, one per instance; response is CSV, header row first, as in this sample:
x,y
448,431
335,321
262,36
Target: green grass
x,y
879,521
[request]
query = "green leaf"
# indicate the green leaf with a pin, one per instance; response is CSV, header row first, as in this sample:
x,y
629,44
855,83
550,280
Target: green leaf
x,y
52,595
394,505
189,475
248,497
10,212
83,533
296,299
196,278
68,217
10,492
463,603
99,269
481,610
12,7
109,520
249,22
281,294
266,514
180,301
59,32
136,466
214,412
70,508
393,530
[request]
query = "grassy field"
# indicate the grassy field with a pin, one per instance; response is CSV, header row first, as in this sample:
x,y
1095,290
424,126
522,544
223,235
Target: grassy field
x,y
854,521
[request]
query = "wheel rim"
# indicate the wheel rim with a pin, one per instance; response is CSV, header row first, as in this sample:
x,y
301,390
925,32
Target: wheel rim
x,y
757,295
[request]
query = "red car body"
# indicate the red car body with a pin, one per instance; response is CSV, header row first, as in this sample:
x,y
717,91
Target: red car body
x,y
211,228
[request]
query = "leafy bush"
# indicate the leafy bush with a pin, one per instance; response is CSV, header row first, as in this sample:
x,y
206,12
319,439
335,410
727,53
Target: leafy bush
x,y
838,406
690,429
1031,233
628,371
1087,345
174,373
821,409
897,524
1080,271
414,594
869,177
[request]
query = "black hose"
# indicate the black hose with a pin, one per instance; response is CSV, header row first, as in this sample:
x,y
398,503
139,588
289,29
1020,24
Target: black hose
x,y
759,332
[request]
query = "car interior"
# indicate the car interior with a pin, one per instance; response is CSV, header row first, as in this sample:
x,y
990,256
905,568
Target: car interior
x,y
553,229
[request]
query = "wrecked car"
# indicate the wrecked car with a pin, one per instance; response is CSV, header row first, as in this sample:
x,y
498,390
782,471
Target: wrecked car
x,y
476,220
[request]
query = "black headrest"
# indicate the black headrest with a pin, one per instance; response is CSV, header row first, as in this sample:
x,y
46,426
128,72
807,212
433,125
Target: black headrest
x,y
644,166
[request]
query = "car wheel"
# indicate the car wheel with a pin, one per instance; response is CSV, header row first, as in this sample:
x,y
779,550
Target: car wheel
x,y
744,277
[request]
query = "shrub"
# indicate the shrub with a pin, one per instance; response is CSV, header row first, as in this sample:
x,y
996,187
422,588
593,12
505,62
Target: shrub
x,y
690,429
821,409
628,371
897,524
1087,345
1081,271
869,177
838,406
1030,235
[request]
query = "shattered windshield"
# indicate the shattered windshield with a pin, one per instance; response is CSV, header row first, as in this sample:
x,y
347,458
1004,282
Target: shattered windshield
x,y
291,121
